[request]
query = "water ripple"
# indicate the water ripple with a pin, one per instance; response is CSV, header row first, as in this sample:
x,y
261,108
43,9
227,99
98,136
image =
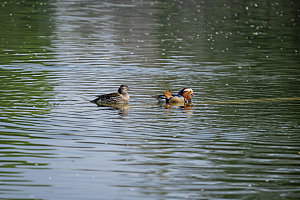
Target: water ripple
x,y
237,140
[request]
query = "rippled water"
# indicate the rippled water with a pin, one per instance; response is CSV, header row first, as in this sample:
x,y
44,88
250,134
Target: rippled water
x,y
238,140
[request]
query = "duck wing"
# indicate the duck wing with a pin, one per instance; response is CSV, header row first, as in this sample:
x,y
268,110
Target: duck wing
x,y
177,99
161,97
112,97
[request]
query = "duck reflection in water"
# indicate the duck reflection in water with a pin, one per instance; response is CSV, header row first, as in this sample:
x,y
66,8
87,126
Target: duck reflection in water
x,y
187,107
123,108
117,101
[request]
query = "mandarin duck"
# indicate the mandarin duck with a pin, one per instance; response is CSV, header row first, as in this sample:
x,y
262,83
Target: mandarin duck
x,y
183,96
113,98
185,92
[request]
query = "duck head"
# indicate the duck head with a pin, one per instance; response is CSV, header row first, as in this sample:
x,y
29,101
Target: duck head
x,y
122,89
187,92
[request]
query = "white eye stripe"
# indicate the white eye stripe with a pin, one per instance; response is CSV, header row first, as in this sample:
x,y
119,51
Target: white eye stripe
x,y
188,90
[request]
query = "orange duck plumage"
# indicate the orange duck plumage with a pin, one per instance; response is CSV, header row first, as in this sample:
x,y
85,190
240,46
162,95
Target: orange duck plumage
x,y
185,92
183,96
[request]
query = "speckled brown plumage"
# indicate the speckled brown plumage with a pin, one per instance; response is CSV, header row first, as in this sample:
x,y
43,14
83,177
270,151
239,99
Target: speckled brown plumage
x,y
119,97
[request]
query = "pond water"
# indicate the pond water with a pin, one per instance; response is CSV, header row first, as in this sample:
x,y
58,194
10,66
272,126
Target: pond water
x,y
239,139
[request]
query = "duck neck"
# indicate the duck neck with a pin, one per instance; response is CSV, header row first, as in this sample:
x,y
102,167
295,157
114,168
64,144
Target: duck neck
x,y
187,96
122,91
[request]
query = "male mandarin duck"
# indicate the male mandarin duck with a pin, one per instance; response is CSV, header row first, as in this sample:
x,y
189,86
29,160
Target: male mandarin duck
x,y
119,97
185,92
183,96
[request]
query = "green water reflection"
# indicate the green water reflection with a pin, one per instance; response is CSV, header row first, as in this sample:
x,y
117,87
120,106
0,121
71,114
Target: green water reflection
x,y
25,33
26,28
23,104
220,31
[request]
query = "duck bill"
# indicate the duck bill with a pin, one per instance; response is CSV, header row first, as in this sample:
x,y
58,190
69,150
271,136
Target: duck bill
x,y
192,94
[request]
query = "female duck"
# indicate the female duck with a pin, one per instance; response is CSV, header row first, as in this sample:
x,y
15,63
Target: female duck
x,y
119,97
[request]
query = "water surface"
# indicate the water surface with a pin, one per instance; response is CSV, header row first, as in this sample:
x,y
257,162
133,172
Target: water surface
x,y
239,139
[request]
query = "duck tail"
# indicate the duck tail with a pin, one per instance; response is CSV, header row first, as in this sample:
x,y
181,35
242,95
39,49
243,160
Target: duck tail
x,y
159,97
95,100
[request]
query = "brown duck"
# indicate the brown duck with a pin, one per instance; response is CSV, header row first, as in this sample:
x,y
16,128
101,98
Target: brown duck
x,y
119,97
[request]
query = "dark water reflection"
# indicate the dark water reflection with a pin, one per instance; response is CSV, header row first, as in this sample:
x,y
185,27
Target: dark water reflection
x,y
238,139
